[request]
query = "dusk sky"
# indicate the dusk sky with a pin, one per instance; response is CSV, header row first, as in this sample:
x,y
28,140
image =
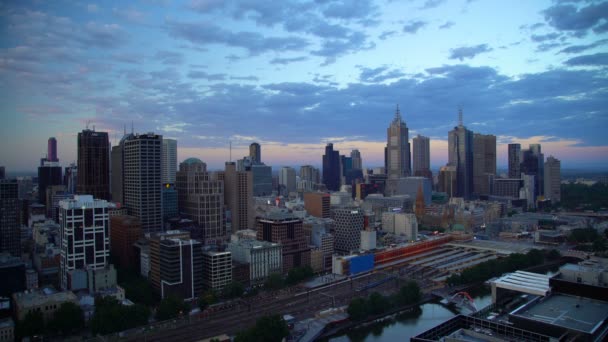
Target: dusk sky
x,y
294,75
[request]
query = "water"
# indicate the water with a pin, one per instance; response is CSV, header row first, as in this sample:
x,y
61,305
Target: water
x,y
406,325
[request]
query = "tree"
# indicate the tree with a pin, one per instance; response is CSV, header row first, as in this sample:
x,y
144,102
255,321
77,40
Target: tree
x,y
67,319
274,282
31,325
298,274
267,328
111,316
171,307
206,299
553,254
233,289
410,293
357,309
377,304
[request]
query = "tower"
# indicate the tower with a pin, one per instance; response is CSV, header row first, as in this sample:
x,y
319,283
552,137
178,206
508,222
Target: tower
x,y
484,162
553,179
421,155
255,153
52,150
460,154
331,168
398,148
355,155
169,161
238,196
94,164
514,155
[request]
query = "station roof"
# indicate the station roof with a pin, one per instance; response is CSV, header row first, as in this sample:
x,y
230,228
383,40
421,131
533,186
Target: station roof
x,y
525,282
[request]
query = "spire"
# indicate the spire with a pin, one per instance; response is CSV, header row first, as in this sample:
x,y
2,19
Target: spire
x,y
460,123
397,114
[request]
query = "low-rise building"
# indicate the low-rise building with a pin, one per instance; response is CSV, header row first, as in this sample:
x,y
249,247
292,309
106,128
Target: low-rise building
x,y
45,300
263,257
7,330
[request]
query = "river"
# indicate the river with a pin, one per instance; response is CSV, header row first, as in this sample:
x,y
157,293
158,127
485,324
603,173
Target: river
x,y
406,325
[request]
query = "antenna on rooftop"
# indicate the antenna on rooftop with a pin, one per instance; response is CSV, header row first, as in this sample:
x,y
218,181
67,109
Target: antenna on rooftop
x,y
88,122
132,130
460,115
230,141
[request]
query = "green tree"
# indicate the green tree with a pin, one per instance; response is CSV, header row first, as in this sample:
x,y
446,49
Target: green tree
x,y
206,299
67,319
31,325
599,245
357,309
267,328
410,293
377,304
171,307
298,274
137,288
111,316
233,289
553,254
274,282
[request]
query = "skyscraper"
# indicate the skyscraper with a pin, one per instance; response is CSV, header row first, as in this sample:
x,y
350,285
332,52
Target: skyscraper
x,y
331,168
94,164
201,199
48,174
255,153
142,179
84,234
484,162
398,148
309,178
169,161
286,229
117,172
533,164
348,224
52,150
460,154
238,196
553,179
514,160
355,155
10,234
421,155
287,178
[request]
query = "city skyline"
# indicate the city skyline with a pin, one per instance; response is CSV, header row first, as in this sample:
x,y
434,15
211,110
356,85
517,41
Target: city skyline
x,y
296,75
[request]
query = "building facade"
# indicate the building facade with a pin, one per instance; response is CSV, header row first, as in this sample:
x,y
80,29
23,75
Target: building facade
x,y
553,179
284,228
331,168
317,204
348,224
287,178
255,153
398,161
421,156
124,232
169,161
217,270
460,155
484,163
238,197
264,258
514,155
10,234
94,164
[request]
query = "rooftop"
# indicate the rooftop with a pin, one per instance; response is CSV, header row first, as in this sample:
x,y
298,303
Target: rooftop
x,y
36,297
574,313
6,323
526,282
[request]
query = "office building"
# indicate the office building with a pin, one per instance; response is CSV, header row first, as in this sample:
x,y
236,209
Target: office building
x,y
169,201
201,199
331,168
117,176
238,197
262,258
10,233
287,179
527,191
421,156
255,153
48,174
484,163
7,330
282,227
70,178
217,270
398,161
410,185
533,164
514,155
45,300
124,232
12,273
317,204
84,235
553,179
507,187
142,179
262,180
2,172
403,224
94,164
169,161
51,154
309,178
355,156
348,224
460,155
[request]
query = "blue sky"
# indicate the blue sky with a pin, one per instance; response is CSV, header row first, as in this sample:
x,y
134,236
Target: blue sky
x,y
294,75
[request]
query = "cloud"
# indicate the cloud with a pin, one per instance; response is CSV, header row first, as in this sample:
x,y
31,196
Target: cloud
x,y
467,52
331,49
169,57
130,14
284,61
446,25
542,38
387,34
355,9
92,8
428,4
598,59
577,20
209,77
244,78
379,74
581,48
204,33
413,26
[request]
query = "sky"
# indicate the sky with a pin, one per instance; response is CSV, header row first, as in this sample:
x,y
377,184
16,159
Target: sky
x,y
295,75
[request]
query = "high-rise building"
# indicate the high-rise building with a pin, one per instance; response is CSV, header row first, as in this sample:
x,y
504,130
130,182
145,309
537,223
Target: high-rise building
x,y
2,172
527,190
255,153
317,204
448,180
142,179
507,187
176,265
533,164
553,179
284,228
514,155
484,162
51,154
124,232
48,174
70,178
169,202
421,155
355,155
217,270
287,178
10,233
201,199
84,235
398,148
117,172
331,168
460,154
540,179
262,179
263,258
169,161
238,197
348,224
94,164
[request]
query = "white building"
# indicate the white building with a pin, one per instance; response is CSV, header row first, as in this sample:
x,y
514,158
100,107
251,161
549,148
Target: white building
x,y
400,224
217,269
264,258
527,191
169,161
287,178
368,240
84,235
